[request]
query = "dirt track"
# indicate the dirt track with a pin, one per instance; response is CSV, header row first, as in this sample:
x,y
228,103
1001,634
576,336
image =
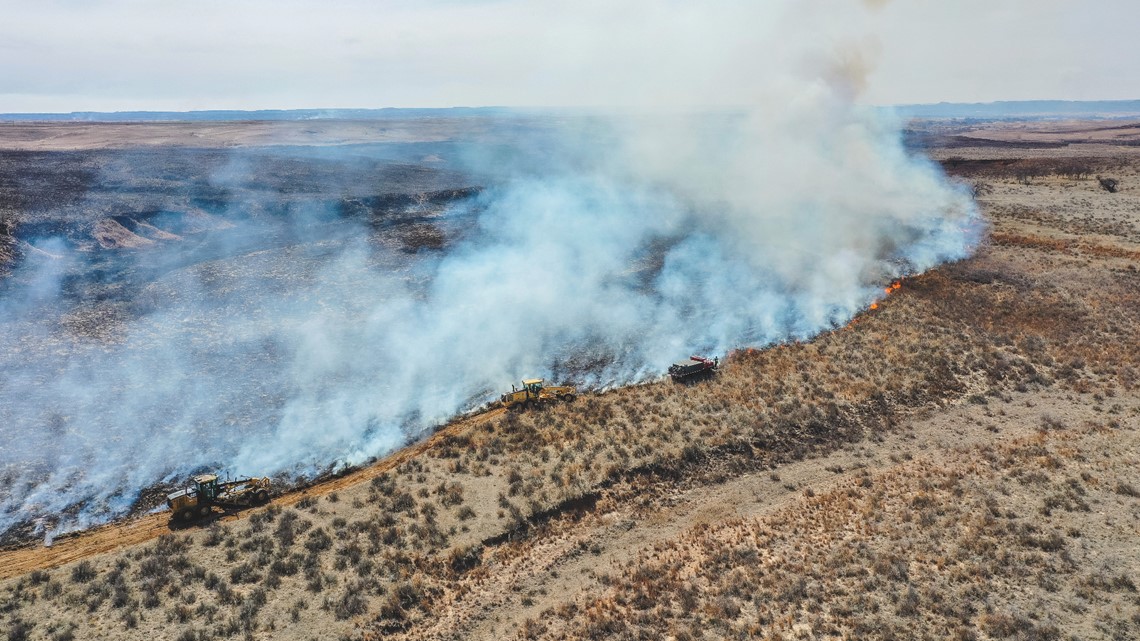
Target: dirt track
x,y
110,537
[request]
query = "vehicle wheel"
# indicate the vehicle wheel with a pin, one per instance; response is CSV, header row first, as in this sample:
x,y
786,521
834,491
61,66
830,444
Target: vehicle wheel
x,y
262,497
569,398
186,515
203,511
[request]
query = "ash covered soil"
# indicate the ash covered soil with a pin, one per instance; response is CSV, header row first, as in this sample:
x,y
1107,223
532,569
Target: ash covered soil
x,y
166,286
186,243
960,462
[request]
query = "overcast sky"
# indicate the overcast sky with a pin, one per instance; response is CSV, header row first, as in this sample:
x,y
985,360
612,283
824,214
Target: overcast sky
x,y
105,55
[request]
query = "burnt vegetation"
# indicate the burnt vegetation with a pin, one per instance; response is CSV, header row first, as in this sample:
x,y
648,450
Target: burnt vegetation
x,y
922,550
1027,170
135,215
1111,185
391,553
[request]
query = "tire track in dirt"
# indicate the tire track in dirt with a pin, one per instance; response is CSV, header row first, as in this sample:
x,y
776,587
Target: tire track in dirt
x,y
119,534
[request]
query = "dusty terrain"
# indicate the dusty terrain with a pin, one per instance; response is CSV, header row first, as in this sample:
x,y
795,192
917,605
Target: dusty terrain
x,y
73,136
960,462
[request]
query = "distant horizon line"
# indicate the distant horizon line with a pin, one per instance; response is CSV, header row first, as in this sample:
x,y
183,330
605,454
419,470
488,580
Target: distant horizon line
x,y
1007,108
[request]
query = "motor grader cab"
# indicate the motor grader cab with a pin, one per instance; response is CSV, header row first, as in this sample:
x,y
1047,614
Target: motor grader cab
x,y
534,392
206,491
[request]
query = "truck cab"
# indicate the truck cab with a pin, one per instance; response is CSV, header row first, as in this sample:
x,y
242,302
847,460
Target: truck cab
x,y
207,487
532,386
196,499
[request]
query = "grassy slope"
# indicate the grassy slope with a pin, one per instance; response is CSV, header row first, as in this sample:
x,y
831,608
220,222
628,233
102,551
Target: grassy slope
x,y
810,490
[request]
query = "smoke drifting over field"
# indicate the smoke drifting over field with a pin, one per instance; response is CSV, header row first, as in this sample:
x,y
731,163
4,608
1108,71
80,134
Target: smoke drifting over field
x,y
600,250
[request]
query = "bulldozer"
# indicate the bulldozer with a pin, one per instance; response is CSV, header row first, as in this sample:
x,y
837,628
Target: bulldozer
x,y
198,500
534,392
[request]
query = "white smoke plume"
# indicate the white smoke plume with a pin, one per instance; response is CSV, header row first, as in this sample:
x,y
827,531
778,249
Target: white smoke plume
x,y
601,250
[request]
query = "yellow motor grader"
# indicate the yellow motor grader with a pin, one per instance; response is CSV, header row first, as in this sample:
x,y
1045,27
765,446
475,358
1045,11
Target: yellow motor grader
x,y
198,500
535,393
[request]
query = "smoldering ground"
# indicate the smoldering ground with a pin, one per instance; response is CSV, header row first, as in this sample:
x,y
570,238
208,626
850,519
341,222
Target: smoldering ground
x,y
321,306
288,334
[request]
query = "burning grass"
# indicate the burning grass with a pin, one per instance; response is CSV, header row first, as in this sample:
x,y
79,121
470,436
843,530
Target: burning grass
x,y
410,537
930,548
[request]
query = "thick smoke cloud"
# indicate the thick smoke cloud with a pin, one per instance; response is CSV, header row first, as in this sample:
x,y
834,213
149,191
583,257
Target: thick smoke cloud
x,y
600,251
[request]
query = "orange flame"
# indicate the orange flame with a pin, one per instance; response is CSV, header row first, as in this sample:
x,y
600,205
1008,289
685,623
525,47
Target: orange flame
x,y
743,352
889,289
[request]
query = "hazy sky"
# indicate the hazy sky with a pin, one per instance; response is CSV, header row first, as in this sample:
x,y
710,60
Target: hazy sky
x,y
73,55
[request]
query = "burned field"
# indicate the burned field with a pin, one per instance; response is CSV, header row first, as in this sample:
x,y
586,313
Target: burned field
x,y
103,244
959,462
288,310
106,201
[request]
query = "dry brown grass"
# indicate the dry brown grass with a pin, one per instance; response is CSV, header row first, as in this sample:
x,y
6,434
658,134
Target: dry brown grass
x,y
959,549
1034,313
